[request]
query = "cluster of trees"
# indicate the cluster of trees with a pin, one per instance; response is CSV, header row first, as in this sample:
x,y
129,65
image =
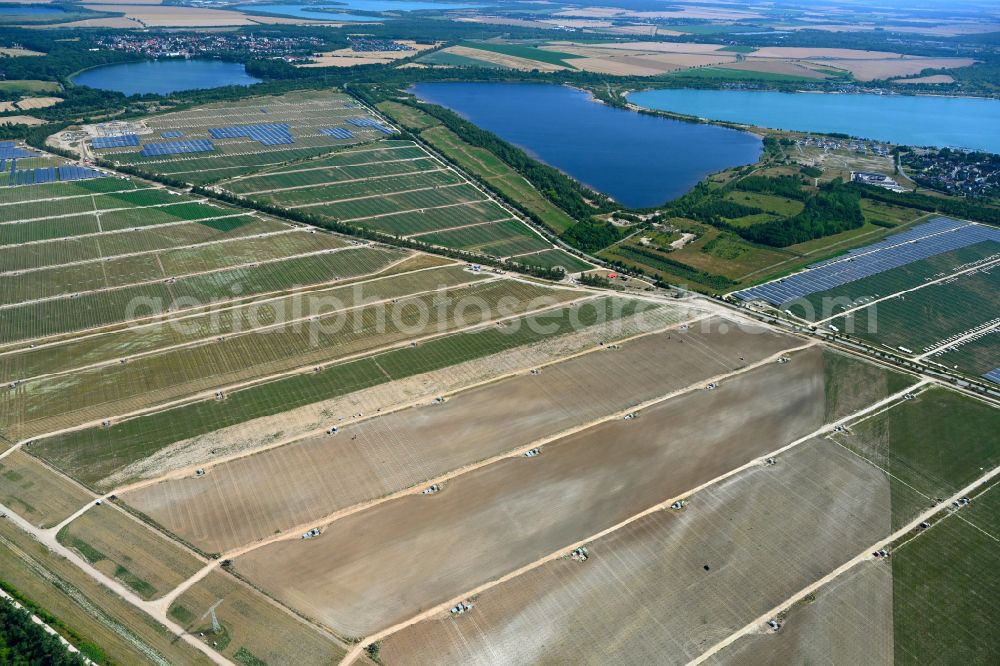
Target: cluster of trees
x,y
961,208
832,210
668,265
24,643
782,186
713,210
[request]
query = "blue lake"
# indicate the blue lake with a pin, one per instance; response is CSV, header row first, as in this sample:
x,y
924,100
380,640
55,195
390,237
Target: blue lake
x,y
165,76
309,11
31,10
962,122
641,161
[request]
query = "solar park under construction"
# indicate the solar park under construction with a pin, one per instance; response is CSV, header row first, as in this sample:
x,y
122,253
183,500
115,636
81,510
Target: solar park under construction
x,y
305,447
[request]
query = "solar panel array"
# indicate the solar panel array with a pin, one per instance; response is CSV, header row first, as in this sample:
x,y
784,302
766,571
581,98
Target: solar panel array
x,y
10,150
43,175
338,132
993,376
363,122
177,147
73,172
268,134
922,241
122,141
172,134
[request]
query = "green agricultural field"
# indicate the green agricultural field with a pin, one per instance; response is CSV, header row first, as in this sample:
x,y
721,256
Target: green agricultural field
x,y
45,404
769,203
945,591
420,222
456,60
525,51
500,239
82,188
150,337
554,259
974,357
401,183
931,446
92,454
97,309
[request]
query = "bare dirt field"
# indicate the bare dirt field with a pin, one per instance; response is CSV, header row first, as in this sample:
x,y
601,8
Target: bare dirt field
x,y
29,103
422,388
375,568
348,58
811,53
848,622
777,67
504,60
936,78
630,58
18,52
868,70
254,629
666,587
124,548
155,16
21,120
250,498
38,495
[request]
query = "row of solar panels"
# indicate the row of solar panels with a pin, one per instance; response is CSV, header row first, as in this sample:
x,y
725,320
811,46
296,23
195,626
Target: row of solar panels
x,y
121,141
177,147
172,134
268,134
338,132
923,241
44,175
993,376
10,150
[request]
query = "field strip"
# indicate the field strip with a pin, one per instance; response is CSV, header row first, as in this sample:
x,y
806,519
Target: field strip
x,y
382,195
101,260
250,213
332,153
971,333
198,310
347,180
105,210
84,603
324,521
430,612
915,391
7,306
414,210
259,329
989,263
210,394
865,555
466,226
76,196
48,540
267,174
350,420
